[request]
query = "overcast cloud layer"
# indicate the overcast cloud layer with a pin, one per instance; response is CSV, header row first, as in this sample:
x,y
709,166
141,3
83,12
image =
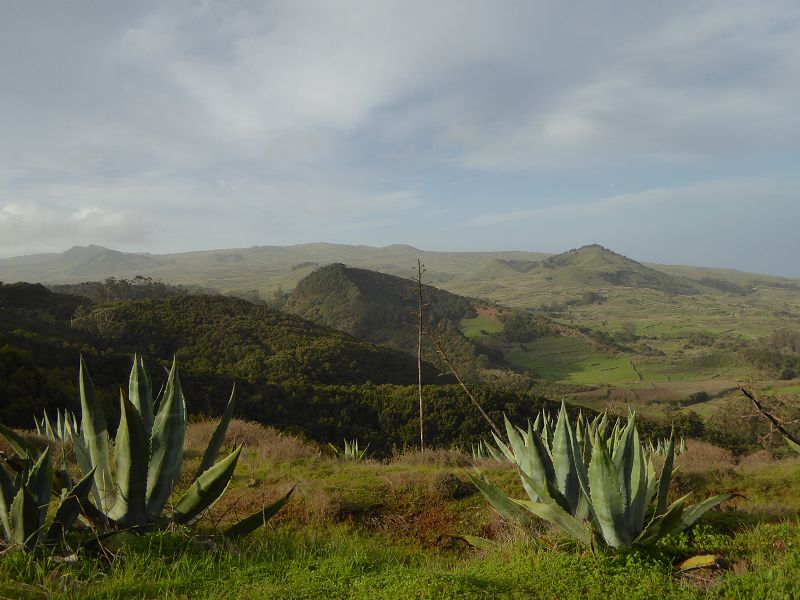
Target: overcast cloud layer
x,y
669,132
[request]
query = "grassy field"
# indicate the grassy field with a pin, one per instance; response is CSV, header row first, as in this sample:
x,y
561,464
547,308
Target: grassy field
x,y
484,324
383,530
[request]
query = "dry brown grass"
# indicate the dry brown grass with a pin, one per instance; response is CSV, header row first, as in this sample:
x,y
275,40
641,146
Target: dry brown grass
x,y
757,460
264,443
433,458
704,458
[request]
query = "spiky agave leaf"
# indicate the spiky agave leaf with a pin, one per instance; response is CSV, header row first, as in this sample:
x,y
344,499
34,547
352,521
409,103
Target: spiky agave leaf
x,y
140,392
505,506
606,496
82,457
71,506
166,444
6,498
132,451
18,444
666,475
211,452
249,524
95,433
24,518
563,457
39,482
206,490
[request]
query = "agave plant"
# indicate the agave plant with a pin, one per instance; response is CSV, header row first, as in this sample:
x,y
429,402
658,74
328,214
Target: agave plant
x,y
660,447
351,451
148,452
483,451
132,490
26,490
58,431
592,485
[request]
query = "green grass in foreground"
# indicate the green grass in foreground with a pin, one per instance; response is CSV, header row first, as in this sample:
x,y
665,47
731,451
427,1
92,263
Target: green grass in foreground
x,y
340,563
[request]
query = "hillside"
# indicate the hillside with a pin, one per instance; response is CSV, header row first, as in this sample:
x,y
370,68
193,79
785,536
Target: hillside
x,y
217,339
675,330
371,305
262,268
589,268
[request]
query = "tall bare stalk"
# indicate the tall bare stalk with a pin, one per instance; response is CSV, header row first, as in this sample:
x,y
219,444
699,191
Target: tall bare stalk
x,y
420,317
441,351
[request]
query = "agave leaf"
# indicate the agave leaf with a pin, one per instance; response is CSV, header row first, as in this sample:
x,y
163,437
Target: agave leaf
x,y
166,444
22,448
547,430
48,428
132,453
210,455
551,512
605,497
637,484
82,457
652,481
564,467
24,517
696,511
249,524
535,460
40,484
666,475
206,490
496,454
140,392
537,423
581,455
70,507
663,524
545,492
623,456
792,444
506,507
504,449
95,434
6,498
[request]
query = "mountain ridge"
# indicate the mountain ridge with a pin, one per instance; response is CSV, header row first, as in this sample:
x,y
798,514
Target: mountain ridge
x,y
504,276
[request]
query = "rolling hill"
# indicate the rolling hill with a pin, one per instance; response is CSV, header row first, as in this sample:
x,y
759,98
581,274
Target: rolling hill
x,y
42,333
371,305
682,328
262,268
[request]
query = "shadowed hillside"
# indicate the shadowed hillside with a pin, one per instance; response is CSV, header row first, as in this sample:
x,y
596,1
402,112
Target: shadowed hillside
x,y
371,305
217,340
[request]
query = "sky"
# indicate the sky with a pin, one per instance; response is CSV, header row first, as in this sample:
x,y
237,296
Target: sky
x,y
669,132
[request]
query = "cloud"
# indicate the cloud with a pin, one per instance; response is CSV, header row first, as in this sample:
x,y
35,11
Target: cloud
x,y
35,227
176,215
746,223
284,121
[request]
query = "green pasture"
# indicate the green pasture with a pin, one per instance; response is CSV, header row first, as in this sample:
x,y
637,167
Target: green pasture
x,y
481,325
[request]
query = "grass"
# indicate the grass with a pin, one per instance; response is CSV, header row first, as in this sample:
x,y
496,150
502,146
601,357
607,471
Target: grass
x,y
486,323
570,360
381,530
338,563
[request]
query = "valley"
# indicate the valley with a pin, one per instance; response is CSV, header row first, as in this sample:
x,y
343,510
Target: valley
x,y
590,325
